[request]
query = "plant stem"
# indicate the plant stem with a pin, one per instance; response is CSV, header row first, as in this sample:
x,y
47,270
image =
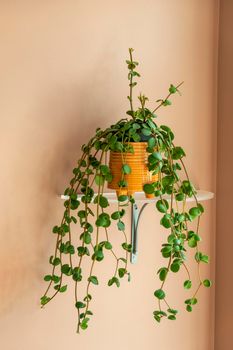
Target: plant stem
x,y
166,98
131,82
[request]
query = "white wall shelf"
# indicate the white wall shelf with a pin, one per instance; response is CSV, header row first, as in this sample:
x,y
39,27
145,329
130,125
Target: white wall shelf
x,y
140,197
136,212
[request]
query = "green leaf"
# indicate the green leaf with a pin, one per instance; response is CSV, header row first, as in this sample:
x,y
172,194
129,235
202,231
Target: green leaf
x,y
171,238
148,188
80,305
114,280
88,227
63,289
187,284
194,212
70,249
159,293
118,146
192,243
99,255
187,188
99,180
55,229
87,237
77,274
177,153
82,163
82,214
121,272
176,248
166,103
103,220
122,198
89,312
48,278
44,300
84,323
168,181
162,205
207,283
166,221
107,245
175,267
158,193
126,169
110,282
180,197
117,282
157,156
88,297
97,145
205,259
136,138
172,89
103,201
151,142
93,279
193,301
116,215
109,177
131,113
189,308
122,183
121,225
201,208
104,169
56,261
83,251
166,250
55,279
199,257
172,311
171,317
181,217
74,219
163,273
74,204
127,247
66,269
157,318
146,132
136,126
57,287
65,228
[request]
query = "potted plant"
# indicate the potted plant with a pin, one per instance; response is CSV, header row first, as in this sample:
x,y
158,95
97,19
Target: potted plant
x,y
143,156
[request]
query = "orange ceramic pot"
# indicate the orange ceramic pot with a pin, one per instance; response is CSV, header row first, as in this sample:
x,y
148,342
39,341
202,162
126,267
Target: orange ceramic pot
x,y
139,175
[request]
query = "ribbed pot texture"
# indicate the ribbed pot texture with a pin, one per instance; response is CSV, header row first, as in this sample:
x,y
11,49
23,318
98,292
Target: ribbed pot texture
x,y
139,175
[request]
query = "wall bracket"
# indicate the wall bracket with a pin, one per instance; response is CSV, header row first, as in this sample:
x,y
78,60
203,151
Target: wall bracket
x,y
135,216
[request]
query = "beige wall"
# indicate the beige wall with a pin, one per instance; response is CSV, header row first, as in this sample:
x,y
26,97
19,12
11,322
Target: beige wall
x,y
62,74
224,242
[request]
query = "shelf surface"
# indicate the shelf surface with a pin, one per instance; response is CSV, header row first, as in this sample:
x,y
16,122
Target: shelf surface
x,y
140,197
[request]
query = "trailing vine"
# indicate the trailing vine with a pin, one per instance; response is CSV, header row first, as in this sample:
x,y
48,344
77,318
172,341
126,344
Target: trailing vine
x,y
87,210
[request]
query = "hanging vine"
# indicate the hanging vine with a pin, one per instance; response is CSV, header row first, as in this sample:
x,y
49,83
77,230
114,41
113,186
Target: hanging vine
x,y
73,251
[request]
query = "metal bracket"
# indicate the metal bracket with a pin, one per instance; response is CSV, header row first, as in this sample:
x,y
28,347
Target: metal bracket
x,y
135,216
